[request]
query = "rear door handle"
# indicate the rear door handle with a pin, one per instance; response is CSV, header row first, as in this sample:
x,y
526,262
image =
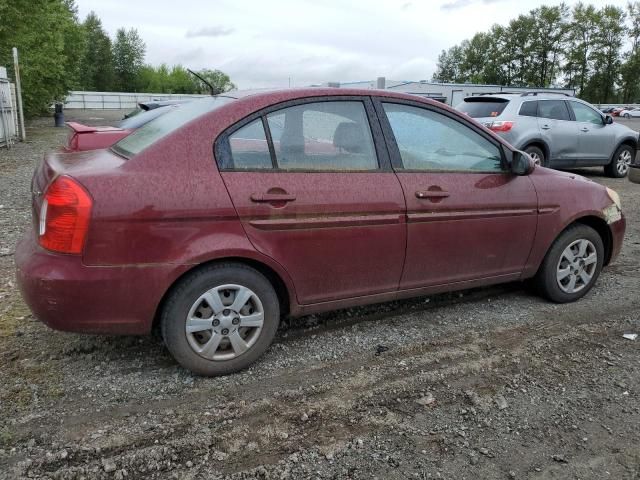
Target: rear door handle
x,y
584,129
432,194
272,197
545,127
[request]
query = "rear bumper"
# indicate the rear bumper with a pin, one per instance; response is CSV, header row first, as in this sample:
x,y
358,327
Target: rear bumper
x,y
67,295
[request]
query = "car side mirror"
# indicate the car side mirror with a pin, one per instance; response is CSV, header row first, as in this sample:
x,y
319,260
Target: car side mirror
x,y
634,173
522,163
608,119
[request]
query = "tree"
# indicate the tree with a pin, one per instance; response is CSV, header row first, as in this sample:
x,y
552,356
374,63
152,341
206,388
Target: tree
x,y
449,68
50,42
608,39
96,67
220,82
630,70
128,59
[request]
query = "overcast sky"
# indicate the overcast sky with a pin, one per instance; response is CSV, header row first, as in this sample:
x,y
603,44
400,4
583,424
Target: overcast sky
x,y
263,43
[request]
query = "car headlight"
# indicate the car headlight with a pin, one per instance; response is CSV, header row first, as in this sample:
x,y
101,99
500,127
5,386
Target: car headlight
x,y
615,198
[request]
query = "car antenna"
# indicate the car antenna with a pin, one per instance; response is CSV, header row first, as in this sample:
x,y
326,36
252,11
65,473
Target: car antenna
x,y
202,80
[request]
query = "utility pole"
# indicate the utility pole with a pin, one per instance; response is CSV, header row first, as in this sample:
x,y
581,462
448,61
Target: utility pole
x,y
16,69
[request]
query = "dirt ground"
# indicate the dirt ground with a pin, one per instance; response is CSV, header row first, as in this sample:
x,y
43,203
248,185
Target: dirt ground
x,y
485,384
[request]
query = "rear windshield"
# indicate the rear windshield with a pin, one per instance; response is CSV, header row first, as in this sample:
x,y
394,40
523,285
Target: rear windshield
x,y
138,120
478,107
165,124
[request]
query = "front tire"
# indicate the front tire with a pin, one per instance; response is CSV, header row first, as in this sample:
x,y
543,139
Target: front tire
x,y
627,116
619,165
220,319
572,265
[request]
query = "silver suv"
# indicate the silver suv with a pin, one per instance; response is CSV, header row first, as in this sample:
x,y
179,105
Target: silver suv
x,y
556,130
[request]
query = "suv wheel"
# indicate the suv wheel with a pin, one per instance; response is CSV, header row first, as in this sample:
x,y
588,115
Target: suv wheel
x,y
572,265
537,154
619,166
220,319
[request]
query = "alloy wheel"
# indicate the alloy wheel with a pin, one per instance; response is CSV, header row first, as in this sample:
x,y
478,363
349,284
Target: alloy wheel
x,y
224,322
623,162
536,158
577,266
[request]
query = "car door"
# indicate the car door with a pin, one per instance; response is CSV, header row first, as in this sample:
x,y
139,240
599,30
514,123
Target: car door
x,y
595,141
314,190
468,217
558,131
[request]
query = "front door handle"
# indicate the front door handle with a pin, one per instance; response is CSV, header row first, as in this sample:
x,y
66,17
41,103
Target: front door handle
x,y
432,194
272,197
584,129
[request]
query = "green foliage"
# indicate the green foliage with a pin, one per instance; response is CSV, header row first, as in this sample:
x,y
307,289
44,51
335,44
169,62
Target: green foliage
x,y
59,53
582,48
96,66
128,59
50,44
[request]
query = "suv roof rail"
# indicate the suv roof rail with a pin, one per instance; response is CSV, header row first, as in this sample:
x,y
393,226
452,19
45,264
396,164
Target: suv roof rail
x,y
497,93
526,94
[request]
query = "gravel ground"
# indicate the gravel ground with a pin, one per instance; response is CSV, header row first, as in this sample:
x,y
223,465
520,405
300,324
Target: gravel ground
x,y
490,383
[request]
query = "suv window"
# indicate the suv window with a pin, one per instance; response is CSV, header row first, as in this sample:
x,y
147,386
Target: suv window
x,y
434,142
323,136
529,109
478,107
583,113
554,109
249,147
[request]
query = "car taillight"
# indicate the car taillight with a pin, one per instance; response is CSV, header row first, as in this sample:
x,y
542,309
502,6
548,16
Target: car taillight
x,y
500,126
64,216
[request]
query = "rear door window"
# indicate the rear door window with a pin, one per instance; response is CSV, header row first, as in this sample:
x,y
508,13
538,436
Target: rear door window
x,y
479,107
553,109
529,109
249,147
323,136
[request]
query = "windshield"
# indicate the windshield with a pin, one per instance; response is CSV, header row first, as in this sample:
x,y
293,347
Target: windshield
x,y
165,124
478,107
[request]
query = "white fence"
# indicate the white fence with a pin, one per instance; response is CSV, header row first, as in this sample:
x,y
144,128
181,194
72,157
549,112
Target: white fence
x,y
117,100
8,110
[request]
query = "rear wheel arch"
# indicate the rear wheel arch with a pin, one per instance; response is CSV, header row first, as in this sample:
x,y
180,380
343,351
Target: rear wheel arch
x,y
541,145
279,285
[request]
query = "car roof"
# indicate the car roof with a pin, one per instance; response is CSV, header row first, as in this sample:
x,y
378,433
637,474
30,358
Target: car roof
x,y
525,96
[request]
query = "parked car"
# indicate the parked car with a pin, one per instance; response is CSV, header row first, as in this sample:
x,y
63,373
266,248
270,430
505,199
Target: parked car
x,y
223,215
630,112
616,111
557,131
86,137
607,110
152,105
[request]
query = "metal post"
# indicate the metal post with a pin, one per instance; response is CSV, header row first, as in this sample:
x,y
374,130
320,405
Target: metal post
x,y
16,68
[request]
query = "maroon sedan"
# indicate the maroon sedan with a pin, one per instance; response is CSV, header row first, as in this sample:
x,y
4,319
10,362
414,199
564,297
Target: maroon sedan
x,y
216,219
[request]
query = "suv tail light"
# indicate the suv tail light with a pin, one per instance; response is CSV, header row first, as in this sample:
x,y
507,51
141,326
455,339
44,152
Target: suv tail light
x,y
500,126
64,216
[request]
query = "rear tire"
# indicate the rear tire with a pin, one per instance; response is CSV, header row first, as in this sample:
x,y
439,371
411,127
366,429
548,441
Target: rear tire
x,y
627,116
537,154
619,165
220,319
572,265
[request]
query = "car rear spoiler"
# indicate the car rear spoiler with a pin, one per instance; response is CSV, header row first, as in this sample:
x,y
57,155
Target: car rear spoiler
x,y
80,128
